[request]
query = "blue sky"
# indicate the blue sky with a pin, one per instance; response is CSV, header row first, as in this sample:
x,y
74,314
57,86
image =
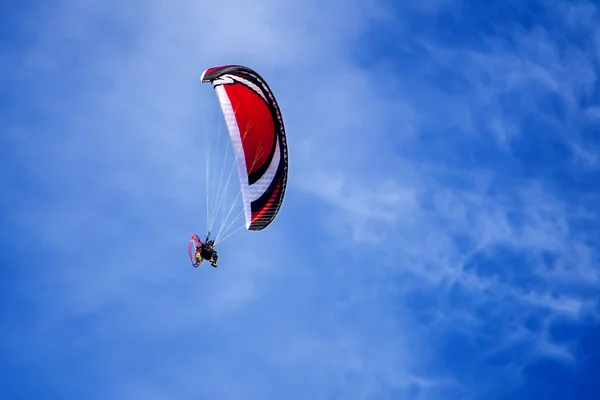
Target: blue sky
x,y
439,236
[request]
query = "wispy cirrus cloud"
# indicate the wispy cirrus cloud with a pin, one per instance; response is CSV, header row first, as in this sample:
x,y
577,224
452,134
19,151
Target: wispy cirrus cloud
x,y
498,245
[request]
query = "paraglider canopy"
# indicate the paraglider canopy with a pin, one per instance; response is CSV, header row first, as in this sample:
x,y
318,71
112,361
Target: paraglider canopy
x,y
257,135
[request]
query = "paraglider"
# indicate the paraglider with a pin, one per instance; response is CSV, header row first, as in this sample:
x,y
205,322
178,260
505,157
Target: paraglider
x,y
258,139
200,251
